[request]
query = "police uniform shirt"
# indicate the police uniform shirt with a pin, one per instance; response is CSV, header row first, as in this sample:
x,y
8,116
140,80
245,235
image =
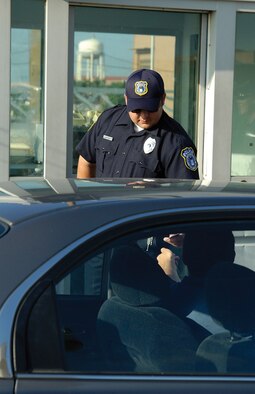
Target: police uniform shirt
x,y
164,151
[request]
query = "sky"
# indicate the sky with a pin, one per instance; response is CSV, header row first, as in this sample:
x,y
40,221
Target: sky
x,y
117,53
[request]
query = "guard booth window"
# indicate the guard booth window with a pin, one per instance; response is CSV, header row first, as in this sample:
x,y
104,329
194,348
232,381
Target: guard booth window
x,y
243,126
26,108
111,43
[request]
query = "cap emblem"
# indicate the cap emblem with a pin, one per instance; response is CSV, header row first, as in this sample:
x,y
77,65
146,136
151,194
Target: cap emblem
x,y
141,88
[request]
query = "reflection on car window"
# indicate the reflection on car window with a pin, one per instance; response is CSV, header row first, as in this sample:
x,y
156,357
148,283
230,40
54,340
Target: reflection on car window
x,y
162,301
83,280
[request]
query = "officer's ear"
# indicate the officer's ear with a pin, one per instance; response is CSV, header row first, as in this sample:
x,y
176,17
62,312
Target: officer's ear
x,y
163,99
125,97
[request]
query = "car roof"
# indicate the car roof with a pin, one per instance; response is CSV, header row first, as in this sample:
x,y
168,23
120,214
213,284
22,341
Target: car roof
x,y
23,199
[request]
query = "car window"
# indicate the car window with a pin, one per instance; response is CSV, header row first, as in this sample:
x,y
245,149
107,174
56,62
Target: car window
x,y
171,300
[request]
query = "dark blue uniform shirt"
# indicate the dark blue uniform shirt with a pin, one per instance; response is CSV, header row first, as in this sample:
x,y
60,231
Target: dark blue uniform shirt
x,y
164,151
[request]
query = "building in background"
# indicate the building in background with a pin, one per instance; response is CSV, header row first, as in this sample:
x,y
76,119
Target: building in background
x,y
150,52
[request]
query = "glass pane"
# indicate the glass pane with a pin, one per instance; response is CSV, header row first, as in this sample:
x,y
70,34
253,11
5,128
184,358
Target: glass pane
x,y
26,111
243,130
111,43
84,280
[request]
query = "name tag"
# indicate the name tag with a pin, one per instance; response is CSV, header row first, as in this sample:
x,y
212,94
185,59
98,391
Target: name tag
x,y
107,137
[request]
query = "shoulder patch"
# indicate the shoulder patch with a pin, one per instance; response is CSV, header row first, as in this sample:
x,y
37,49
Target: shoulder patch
x,y
189,158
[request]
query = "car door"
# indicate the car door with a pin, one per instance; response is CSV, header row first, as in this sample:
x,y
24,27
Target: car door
x,y
57,346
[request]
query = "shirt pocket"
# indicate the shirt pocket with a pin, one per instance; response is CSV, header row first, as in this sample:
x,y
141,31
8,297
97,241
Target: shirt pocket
x,y
105,153
145,165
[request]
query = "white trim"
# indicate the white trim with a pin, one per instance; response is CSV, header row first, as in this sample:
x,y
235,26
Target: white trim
x,y
185,5
201,93
173,5
5,56
70,132
56,73
219,93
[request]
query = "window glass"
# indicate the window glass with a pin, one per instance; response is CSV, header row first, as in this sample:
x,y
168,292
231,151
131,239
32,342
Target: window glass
x,y
84,280
32,185
243,130
111,43
26,108
166,301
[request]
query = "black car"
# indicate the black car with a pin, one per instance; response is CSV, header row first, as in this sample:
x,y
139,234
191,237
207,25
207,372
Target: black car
x,y
128,286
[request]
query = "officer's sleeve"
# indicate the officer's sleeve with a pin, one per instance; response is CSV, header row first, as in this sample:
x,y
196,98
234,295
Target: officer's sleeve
x,y
87,146
183,162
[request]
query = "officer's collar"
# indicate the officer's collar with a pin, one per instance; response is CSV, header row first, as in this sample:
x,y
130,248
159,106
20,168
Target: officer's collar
x,y
124,119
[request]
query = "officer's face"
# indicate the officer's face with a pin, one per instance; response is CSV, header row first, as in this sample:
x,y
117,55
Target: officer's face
x,y
146,119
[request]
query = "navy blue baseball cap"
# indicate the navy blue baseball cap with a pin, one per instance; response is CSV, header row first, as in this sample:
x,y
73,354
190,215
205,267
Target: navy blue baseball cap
x,y
144,90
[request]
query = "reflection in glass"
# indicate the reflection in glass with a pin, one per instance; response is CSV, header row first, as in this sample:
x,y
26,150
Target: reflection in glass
x,y
243,129
26,109
111,43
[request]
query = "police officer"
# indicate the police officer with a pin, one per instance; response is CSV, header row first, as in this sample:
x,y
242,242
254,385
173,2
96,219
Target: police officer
x,y
138,140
